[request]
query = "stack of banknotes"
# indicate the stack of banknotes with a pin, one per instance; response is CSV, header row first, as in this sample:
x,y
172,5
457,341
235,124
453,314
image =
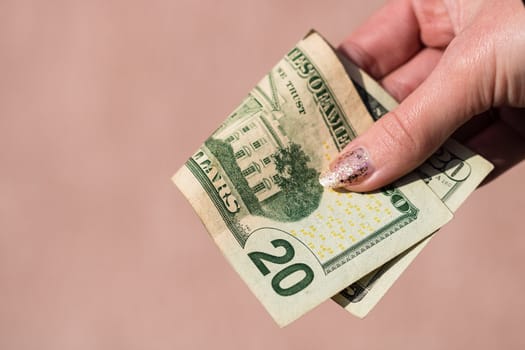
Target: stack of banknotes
x,y
254,183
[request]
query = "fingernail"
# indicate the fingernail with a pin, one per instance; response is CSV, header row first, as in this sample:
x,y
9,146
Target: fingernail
x,y
349,169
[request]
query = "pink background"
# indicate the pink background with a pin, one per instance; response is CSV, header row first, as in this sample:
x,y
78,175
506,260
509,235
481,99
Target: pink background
x,y
102,101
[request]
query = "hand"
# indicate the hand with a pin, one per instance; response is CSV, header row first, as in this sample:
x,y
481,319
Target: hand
x,y
447,60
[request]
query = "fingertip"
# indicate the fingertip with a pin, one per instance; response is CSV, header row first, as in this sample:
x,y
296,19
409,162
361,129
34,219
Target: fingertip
x,y
386,40
351,168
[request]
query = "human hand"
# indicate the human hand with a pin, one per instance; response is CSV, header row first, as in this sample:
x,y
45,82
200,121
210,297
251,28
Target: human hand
x,y
447,60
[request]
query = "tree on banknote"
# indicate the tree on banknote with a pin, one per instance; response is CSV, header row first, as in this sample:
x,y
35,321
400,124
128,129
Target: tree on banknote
x,y
300,190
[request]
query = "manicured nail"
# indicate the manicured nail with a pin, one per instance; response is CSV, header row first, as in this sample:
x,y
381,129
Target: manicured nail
x,y
349,169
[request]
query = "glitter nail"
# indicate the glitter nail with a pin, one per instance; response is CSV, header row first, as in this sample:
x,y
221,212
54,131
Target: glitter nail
x,y
350,168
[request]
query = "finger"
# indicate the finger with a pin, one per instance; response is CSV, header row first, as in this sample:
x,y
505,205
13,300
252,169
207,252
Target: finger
x,y
387,40
405,79
405,137
434,22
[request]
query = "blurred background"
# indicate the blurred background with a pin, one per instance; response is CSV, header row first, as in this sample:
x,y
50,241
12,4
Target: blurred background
x,y
102,101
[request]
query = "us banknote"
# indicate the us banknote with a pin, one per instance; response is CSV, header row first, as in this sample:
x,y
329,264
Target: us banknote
x,y
452,173
254,184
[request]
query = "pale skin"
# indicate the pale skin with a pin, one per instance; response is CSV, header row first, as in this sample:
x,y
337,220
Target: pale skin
x,y
452,63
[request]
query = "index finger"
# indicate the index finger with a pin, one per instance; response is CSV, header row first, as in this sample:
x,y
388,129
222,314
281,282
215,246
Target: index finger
x,y
386,40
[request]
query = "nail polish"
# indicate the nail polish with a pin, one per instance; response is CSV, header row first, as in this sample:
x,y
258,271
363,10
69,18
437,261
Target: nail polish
x,y
349,169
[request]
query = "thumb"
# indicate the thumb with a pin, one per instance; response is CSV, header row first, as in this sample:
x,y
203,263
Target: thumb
x,y
404,138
